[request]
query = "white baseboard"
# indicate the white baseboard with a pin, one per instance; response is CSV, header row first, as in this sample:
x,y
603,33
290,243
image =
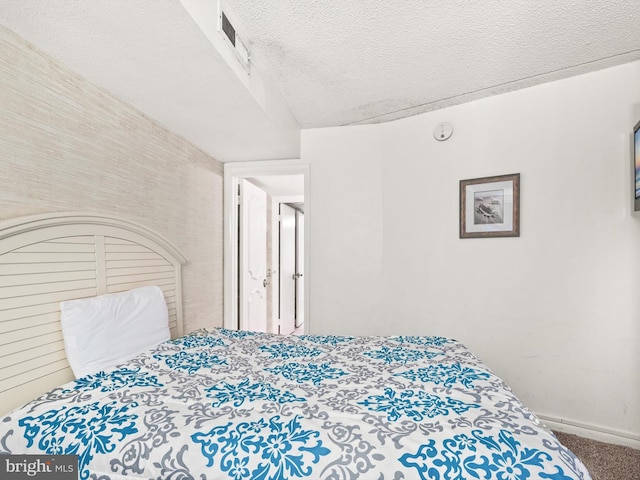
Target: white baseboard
x,y
593,432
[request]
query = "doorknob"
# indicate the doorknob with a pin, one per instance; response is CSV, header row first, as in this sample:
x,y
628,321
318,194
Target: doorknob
x,y
296,276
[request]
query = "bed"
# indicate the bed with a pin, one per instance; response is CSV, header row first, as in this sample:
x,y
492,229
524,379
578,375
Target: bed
x,y
221,403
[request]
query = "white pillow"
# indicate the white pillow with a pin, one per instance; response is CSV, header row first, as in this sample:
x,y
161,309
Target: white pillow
x,y
101,332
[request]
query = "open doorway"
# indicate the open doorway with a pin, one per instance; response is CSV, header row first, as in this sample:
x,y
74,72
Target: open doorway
x,y
283,284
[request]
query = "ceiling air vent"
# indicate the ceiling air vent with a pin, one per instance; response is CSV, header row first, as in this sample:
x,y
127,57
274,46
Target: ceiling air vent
x,y
238,47
228,29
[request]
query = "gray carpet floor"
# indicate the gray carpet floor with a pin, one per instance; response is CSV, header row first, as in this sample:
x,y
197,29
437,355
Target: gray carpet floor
x,y
604,460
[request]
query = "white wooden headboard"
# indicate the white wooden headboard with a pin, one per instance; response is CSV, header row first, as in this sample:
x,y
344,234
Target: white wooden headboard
x,y
46,259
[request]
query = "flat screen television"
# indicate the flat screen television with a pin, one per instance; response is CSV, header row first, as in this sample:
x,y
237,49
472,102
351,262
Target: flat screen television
x,y
636,163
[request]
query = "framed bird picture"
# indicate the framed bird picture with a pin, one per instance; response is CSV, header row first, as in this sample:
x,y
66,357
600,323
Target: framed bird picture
x,y
490,207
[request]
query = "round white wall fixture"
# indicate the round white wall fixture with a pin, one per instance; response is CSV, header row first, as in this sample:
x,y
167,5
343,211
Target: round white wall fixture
x,y
442,131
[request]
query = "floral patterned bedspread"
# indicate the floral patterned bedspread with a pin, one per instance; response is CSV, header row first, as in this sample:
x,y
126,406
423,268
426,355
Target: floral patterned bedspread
x,y
242,405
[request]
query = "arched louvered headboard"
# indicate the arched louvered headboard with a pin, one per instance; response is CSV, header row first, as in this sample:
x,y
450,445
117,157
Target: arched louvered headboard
x,y
46,259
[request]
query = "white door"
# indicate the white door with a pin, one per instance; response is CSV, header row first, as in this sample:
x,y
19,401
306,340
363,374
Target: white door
x,y
287,269
299,268
252,258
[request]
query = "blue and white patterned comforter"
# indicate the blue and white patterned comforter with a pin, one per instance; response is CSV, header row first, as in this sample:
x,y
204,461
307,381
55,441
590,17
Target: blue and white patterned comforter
x,y
239,405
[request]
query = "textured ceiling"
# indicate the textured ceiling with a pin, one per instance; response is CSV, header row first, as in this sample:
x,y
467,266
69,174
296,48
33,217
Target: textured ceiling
x,y
334,62
341,62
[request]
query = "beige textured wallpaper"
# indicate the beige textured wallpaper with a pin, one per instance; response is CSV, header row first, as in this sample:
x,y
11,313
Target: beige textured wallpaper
x,y
67,145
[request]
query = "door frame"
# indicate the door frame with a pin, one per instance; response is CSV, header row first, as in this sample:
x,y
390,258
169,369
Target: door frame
x,y
232,172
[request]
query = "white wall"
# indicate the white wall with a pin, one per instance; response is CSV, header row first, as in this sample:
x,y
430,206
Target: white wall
x,y
555,312
66,145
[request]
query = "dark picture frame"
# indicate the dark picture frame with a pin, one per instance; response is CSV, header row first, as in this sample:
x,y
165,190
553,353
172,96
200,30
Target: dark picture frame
x,y
636,166
490,207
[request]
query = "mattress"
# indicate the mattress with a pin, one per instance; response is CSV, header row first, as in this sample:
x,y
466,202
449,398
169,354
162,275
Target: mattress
x,y
239,405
